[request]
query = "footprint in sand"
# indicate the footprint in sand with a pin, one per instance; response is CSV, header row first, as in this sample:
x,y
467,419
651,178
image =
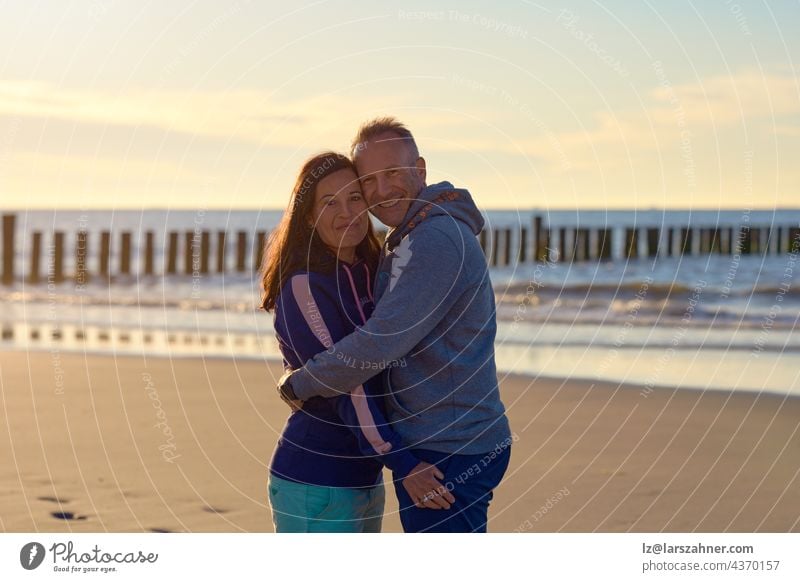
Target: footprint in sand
x,y
53,500
68,516
215,510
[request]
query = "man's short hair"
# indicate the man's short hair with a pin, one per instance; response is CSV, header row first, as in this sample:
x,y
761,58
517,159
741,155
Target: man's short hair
x,y
379,126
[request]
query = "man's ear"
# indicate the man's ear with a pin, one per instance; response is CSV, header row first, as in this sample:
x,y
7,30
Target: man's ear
x,y
421,169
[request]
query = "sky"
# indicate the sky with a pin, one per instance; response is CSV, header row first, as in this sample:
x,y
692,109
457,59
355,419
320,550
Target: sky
x,y
575,104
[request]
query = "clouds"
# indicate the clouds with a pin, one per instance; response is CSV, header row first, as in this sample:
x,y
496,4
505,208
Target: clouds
x,y
742,98
686,137
687,144
153,146
747,101
152,102
241,114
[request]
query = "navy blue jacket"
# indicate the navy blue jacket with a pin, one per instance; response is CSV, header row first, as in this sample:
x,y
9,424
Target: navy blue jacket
x,y
346,440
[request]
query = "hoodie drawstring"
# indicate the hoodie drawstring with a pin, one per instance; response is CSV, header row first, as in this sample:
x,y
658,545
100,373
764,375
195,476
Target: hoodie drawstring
x,y
355,293
369,284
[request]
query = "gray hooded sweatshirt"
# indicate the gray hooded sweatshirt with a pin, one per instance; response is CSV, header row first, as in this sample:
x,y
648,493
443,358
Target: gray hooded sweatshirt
x,y
432,333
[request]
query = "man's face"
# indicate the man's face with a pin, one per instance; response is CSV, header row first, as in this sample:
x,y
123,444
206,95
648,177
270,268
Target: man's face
x,y
390,178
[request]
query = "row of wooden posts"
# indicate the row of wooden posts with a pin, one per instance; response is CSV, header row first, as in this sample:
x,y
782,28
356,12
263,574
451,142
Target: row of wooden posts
x,y
503,246
197,257
509,246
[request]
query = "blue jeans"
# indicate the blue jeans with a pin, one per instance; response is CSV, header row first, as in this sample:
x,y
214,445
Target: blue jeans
x,y
300,508
470,478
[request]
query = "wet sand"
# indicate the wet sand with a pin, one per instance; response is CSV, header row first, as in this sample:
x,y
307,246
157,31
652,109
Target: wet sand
x,y
97,443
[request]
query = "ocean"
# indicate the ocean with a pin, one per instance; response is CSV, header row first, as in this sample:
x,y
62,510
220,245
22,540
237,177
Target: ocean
x,y
721,322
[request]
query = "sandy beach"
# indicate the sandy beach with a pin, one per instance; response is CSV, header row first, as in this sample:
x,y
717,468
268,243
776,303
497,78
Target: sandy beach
x,y
129,444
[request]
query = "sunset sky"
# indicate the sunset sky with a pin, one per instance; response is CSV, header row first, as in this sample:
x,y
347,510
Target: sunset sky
x,y
612,104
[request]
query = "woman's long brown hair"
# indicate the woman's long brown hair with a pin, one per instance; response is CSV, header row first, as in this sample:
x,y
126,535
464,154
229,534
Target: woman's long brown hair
x,y
295,245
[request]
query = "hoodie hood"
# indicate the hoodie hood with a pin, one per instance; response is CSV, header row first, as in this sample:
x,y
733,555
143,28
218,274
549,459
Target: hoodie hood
x,y
441,199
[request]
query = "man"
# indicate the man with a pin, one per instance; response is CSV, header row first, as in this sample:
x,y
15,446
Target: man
x,y
433,331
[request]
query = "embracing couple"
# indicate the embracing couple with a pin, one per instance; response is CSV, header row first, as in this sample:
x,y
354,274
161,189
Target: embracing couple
x,y
389,349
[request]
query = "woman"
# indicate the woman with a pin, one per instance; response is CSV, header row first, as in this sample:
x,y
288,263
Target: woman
x,y
326,473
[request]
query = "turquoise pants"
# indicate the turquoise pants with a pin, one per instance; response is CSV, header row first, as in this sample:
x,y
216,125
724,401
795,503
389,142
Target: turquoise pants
x,y
299,508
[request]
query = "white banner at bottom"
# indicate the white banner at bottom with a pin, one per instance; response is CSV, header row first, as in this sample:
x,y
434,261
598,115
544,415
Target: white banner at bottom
x,y
390,557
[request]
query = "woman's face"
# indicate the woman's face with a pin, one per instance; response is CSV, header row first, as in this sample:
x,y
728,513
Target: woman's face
x,y
340,214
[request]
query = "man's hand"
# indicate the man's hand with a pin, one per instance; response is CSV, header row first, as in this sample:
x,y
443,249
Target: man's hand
x,y
287,394
424,488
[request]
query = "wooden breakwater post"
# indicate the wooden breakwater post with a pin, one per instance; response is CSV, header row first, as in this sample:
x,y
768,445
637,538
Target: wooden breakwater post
x,y
537,238
774,240
765,234
125,254
259,248
507,253
714,246
172,253
765,240
241,251
523,245
586,239
81,254
631,243
794,240
670,243
35,274
221,251
495,246
205,249
188,252
604,244
709,241
541,236
562,245
58,257
499,233
545,244
685,241
105,254
149,251
743,241
755,240
581,244
653,236
483,239
781,240
769,240
9,224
